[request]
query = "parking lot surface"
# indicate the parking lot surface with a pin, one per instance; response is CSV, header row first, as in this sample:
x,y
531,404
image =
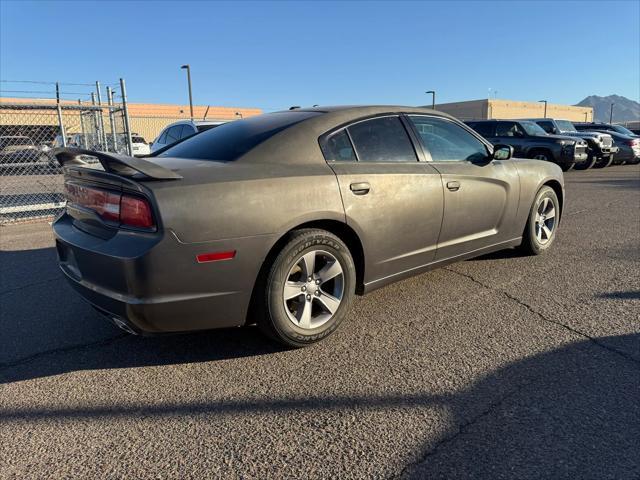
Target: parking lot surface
x,y
499,367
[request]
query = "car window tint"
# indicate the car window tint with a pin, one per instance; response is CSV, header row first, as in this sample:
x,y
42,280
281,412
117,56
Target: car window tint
x,y
163,138
484,129
338,148
173,134
187,131
231,140
546,126
507,129
447,141
202,128
382,140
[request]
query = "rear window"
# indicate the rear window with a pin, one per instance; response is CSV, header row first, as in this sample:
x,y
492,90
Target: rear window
x,y
231,140
137,140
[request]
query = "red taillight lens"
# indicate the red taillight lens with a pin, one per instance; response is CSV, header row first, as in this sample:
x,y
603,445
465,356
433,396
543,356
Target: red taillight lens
x,y
136,212
112,207
634,142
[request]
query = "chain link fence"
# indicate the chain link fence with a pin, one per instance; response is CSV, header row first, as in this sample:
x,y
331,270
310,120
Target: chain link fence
x,y
31,181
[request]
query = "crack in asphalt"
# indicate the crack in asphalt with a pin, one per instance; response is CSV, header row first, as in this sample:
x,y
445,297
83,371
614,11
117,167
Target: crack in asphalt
x,y
462,428
36,356
544,318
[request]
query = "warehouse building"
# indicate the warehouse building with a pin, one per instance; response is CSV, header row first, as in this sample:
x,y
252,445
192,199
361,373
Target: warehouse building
x,y
492,108
146,120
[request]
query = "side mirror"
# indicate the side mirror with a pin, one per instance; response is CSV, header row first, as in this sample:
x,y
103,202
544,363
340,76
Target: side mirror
x,y
502,152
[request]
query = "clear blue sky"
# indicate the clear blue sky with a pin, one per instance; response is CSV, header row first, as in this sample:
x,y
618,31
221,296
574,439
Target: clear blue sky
x,y
273,55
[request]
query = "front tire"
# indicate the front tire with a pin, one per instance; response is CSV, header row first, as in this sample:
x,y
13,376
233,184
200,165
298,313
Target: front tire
x,y
587,164
309,288
603,163
540,231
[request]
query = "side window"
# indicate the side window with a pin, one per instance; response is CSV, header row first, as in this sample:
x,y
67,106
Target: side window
x,y
173,134
546,126
163,138
508,129
338,147
447,141
382,140
187,131
484,129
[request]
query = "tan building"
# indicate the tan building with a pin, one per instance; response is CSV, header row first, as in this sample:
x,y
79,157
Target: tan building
x,y
502,109
147,119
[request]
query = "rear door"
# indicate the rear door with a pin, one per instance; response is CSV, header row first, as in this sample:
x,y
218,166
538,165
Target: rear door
x,y
480,196
392,200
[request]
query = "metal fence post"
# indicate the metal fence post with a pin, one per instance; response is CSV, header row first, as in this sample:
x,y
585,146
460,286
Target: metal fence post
x,y
125,112
60,122
104,133
84,133
112,122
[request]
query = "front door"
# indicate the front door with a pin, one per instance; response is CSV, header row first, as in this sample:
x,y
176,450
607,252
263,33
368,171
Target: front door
x,y
393,201
480,196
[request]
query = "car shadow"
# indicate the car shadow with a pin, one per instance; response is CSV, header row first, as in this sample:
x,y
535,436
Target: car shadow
x,y
622,295
571,412
41,315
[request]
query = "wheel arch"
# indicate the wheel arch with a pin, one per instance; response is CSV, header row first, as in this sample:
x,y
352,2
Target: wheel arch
x,y
557,188
340,229
540,149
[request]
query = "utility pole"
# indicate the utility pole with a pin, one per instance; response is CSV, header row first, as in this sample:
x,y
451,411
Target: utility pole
x,y
433,99
188,69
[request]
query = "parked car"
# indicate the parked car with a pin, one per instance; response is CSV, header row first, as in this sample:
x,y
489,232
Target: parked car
x,y
628,146
138,144
601,148
529,140
606,127
18,152
281,218
179,130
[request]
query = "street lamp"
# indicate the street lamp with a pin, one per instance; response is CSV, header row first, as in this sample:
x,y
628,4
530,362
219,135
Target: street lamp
x,y
545,107
433,99
188,69
611,113
238,114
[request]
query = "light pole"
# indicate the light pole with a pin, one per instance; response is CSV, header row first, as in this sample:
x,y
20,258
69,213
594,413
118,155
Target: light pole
x,y
238,114
433,99
545,107
611,113
188,69
585,117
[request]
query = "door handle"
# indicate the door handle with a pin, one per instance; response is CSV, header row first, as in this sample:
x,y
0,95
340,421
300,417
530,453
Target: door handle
x,y
360,188
453,186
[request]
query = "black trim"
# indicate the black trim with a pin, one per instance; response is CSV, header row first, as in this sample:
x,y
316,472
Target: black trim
x,y
115,163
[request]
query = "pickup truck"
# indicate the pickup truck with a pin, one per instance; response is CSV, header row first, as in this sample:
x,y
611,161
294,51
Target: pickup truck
x,y
531,141
601,149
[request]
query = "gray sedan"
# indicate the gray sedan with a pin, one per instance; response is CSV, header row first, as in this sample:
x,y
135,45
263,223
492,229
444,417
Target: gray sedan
x,y
282,218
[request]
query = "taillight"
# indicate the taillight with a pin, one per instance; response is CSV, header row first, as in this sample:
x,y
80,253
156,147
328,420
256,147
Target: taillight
x,y
135,212
634,142
123,209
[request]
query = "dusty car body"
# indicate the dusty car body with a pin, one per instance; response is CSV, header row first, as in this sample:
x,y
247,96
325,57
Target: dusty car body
x,y
218,210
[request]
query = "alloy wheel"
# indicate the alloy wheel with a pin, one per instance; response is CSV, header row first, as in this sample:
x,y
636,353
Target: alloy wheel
x,y
313,289
545,220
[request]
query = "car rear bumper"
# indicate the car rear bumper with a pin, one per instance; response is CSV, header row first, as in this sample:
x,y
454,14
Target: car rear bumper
x,y
154,284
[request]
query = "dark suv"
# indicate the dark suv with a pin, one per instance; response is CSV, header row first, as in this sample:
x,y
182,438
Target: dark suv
x,y
531,141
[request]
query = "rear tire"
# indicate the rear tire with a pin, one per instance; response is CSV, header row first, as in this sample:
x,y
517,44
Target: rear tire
x,y
635,161
544,216
309,289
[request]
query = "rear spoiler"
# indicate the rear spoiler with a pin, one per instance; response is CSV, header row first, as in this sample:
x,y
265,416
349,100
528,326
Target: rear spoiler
x,y
115,163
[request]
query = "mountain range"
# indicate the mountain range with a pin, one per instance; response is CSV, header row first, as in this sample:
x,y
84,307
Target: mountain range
x,y
624,109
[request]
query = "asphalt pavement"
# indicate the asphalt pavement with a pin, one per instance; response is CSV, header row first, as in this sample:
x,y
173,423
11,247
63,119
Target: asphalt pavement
x,y
498,367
